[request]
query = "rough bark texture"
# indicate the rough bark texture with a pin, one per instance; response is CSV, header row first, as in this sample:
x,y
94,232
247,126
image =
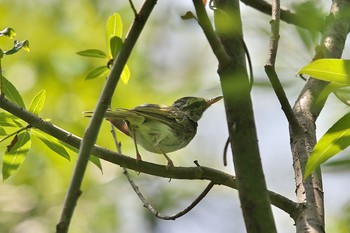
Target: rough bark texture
x,y
310,191
255,202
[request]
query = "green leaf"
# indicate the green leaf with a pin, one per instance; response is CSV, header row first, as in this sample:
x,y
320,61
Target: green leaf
x,y
335,140
331,87
125,76
51,143
37,103
18,45
188,15
114,28
8,32
96,53
11,92
115,45
99,72
343,94
7,120
331,70
14,157
95,160
2,131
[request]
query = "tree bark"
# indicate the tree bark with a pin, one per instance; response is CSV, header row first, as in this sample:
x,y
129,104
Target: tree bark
x,y
310,191
252,189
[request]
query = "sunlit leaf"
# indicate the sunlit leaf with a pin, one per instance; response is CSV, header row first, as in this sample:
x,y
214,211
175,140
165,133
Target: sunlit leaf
x,y
335,140
99,72
331,70
96,53
343,94
8,32
125,76
18,45
11,92
37,103
115,45
12,143
2,131
16,155
7,120
52,143
331,87
114,28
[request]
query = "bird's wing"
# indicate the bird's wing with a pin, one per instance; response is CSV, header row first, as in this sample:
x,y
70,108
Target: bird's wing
x,y
125,114
166,114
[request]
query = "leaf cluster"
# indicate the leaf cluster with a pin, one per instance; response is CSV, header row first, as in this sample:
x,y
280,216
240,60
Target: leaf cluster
x,y
336,139
114,29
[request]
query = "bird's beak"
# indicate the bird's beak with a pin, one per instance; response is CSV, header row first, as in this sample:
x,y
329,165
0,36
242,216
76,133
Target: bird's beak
x,y
214,100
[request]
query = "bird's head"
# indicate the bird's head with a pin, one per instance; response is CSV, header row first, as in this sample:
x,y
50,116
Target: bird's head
x,y
194,107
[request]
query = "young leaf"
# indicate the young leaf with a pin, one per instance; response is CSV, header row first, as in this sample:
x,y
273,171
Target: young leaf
x,y
188,15
37,103
2,131
115,45
335,140
114,28
18,46
7,120
16,155
331,87
11,92
343,94
8,32
101,71
96,53
331,70
125,76
52,143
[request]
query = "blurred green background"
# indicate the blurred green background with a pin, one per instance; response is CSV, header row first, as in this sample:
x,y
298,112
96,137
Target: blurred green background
x,y
172,59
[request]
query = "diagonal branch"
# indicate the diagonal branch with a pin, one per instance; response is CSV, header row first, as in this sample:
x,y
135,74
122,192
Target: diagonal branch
x,y
188,173
286,15
96,120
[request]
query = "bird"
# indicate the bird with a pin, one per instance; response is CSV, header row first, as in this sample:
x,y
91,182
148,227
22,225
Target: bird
x,y
161,129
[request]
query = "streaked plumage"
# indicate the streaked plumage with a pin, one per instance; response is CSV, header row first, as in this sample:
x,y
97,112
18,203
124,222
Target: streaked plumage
x,y
161,129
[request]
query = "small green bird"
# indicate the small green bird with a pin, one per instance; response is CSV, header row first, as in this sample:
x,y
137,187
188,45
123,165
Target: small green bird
x,y
161,129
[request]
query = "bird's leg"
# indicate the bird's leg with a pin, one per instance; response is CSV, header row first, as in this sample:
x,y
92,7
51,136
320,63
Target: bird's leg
x,y
138,155
170,162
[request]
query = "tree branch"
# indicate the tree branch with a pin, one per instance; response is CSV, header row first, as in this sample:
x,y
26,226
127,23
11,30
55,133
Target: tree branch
x,y
286,15
96,120
188,173
147,205
310,191
251,183
270,66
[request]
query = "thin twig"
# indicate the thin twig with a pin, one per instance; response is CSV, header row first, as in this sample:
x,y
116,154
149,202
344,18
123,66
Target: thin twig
x,y
270,66
133,7
147,205
213,39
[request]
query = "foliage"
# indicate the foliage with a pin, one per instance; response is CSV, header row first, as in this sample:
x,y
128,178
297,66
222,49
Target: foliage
x,y
21,133
114,29
336,139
